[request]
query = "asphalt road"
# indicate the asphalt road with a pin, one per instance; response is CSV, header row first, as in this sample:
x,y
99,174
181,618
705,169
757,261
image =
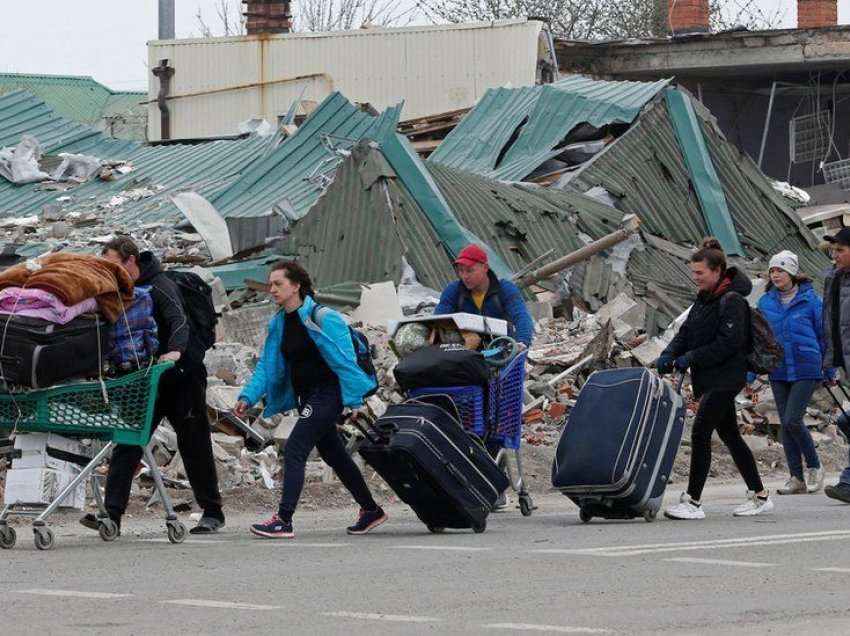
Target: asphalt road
x,y
783,573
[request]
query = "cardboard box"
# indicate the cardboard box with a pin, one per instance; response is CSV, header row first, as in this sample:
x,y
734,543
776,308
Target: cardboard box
x,y
41,486
36,459
42,441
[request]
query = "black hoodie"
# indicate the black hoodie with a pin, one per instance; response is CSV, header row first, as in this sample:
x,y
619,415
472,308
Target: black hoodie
x,y
715,341
168,312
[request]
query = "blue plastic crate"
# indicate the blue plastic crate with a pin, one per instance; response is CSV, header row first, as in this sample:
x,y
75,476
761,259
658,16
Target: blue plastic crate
x,y
469,401
506,401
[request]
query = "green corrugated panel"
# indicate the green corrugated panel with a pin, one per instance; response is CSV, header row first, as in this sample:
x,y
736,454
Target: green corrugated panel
x,y
701,169
205,168
81,99
367,220
285,174
364,224
645,172
539,118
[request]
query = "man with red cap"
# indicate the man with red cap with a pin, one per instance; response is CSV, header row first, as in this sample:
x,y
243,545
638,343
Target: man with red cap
x,y
479,291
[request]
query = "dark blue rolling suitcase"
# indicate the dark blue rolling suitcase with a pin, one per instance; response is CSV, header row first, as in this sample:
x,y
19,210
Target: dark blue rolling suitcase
x,y
618,446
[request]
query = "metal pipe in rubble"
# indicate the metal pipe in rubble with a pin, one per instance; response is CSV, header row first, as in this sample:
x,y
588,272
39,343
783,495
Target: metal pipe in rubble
x,y
166,19
630,226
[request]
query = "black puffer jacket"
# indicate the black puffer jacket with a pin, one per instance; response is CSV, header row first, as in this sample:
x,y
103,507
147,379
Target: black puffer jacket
x,y
715,342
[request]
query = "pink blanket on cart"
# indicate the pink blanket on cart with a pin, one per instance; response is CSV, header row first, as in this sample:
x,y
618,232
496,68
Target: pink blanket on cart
x,y
37,303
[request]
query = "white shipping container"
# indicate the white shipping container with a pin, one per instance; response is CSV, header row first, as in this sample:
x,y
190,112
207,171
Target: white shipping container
x,y
220,82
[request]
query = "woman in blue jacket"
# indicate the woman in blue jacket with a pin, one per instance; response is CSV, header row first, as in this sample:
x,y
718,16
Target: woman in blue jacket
x,y
795,311
309,363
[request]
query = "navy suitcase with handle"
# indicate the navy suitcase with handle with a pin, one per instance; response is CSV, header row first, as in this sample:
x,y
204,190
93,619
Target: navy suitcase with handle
x,y
617,449
442,472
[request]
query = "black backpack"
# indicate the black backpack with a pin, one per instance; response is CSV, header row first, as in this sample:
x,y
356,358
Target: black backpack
x,y
764,351
362,350
199,309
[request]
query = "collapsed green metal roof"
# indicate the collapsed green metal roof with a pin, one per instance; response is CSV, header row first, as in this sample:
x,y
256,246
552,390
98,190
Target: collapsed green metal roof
x,y
81,99
299,169
512,131
368,220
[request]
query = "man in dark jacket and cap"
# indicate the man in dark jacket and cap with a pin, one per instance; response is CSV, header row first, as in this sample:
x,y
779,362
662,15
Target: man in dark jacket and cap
x,y
479,291
181,397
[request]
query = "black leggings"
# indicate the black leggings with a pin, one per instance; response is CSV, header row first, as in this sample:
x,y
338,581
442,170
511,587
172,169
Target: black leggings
x,y
717,411
316,428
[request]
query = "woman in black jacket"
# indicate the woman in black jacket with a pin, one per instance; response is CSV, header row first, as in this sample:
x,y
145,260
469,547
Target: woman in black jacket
x,y
712,343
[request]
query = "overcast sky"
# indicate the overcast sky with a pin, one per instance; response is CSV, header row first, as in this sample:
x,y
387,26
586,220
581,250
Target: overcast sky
x,y
107,39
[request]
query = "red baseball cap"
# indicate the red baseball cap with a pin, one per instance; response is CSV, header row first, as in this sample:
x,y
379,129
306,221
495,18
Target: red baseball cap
x,y
471,254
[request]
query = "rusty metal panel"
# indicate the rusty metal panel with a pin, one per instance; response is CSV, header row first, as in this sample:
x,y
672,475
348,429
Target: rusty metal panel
x,y
219,82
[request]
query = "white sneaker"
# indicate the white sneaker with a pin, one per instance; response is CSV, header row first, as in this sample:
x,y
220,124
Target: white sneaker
x,y
502,503
814,479
793,486
753,506
685,509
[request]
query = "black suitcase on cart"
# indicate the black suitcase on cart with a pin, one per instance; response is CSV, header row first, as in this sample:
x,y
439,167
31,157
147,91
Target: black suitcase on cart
x,y
443,473
617,449
37,353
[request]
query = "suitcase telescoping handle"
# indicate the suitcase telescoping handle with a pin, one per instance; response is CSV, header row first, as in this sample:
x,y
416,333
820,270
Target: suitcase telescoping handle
x,y
374,432
843,423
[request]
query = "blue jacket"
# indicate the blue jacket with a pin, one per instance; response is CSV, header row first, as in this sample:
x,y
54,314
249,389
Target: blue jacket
x,y
798,328
503,300
271,379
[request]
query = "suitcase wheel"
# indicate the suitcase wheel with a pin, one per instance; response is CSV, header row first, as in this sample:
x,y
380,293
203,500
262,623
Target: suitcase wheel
x,y
649,515
479,527
526,505
584,515
436,530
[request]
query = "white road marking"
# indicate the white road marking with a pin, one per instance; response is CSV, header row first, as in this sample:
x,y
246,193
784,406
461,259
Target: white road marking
x,y
298,544
839,570
712,544
439,548
198,602
75,594
394,618
558,629
188,541
739,564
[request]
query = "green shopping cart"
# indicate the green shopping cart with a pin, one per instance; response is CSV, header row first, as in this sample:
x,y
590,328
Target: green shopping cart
x,y
118,411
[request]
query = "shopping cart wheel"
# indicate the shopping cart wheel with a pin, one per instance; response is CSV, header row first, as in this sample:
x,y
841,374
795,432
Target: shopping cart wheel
x,y
176,531
584,515
480,527
436,530
649,515
108,530
526,505
7,537
43,538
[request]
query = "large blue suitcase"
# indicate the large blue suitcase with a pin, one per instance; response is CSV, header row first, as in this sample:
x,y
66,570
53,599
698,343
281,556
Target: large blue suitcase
x,y
617,449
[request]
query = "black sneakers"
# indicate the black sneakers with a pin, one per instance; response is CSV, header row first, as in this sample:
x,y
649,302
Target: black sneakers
x,y
367,521
274,528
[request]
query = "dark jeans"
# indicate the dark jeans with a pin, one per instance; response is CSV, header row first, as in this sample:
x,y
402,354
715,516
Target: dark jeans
x,y
717,412
182,399
316,428
792,398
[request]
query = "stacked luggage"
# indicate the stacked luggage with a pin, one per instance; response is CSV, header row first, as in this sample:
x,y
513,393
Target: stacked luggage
x,y
67,317
443,473
617,449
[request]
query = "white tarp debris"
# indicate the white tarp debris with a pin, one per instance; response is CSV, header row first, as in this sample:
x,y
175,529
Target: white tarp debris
x,y
207,222
413,296
257,127
791,192
77,168
378,303
19,165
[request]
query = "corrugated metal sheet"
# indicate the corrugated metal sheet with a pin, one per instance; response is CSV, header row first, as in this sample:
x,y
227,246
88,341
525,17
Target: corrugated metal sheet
x,y
525,127
82,99
205,168
382,66
299,169
367,221
645,171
